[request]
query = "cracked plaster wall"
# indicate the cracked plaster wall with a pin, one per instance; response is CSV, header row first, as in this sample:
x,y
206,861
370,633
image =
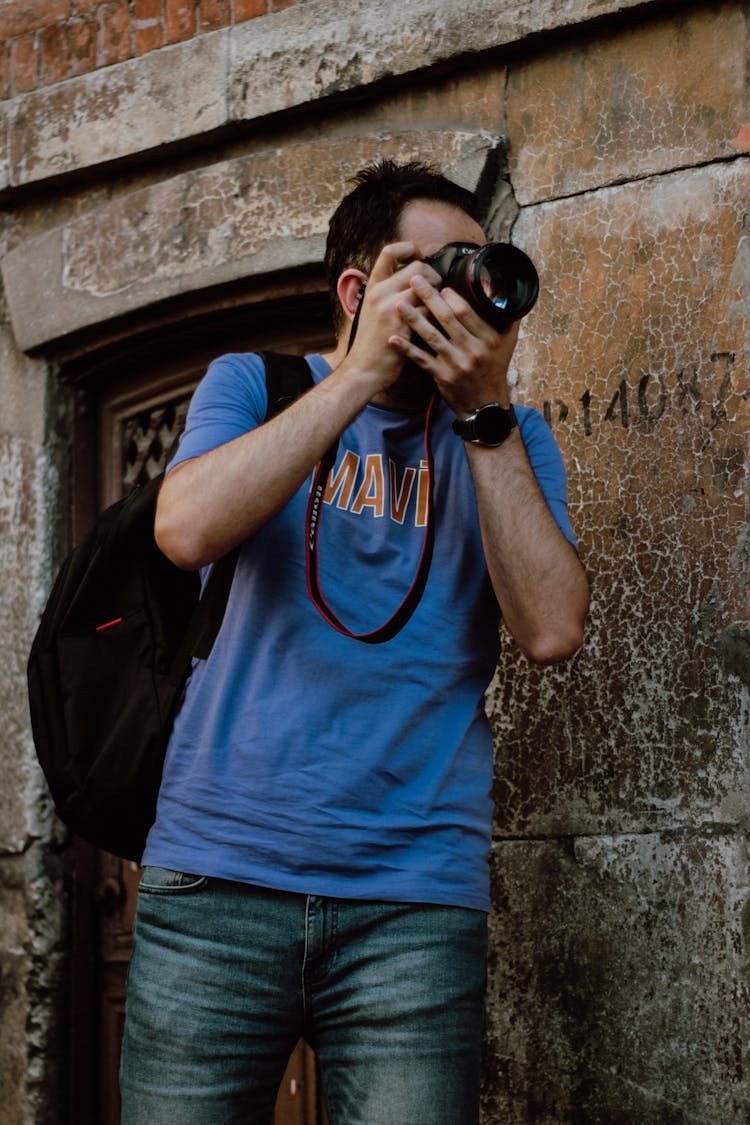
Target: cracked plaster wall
x,y
32,922
618,974
619,967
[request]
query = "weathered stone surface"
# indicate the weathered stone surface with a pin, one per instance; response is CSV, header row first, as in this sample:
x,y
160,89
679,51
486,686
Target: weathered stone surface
x,y
259,68
31,898
639,352
22,390
326,47
4,158
618,988
647,99
28,489
239,218
14,1012
31,935
140,104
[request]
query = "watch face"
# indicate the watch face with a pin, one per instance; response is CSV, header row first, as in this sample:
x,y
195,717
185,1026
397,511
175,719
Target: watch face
x,y
492,424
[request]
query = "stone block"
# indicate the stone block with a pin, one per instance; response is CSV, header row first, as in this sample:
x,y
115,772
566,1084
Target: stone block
x,y
137,105
22,391
638,352
4,160
240,218
327,47
618,982
656,96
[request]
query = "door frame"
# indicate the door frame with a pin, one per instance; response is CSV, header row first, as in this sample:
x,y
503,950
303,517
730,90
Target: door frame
x,y
107,382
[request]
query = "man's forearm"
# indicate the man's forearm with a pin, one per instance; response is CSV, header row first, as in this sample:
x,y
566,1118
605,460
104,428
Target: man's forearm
x,y
210,503
538,579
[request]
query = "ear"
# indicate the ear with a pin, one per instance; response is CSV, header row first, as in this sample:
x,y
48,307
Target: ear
x,y
348,290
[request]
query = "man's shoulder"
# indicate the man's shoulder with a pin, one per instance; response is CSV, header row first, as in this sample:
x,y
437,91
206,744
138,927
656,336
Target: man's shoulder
x,y
540,442
528,416
237,363
533,425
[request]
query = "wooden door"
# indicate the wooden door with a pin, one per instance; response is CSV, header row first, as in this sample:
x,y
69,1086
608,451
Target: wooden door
x,y
132,425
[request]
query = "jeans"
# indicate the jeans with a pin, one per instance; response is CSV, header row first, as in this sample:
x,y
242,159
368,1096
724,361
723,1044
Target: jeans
x,y
226,977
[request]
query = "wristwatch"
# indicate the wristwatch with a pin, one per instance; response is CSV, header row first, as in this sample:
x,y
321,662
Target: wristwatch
x,y
491,424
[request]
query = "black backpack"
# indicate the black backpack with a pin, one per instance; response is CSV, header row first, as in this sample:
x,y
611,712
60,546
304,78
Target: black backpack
x,y
112,653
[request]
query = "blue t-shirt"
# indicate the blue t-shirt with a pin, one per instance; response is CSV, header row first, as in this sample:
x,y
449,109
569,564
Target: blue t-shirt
x,y
302,759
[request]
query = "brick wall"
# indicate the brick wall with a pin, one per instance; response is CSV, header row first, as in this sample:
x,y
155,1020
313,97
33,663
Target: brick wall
x,y
46,41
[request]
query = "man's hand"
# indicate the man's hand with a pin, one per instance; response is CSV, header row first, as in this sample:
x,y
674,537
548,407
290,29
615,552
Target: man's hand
x,y
388,292
471,358
539,583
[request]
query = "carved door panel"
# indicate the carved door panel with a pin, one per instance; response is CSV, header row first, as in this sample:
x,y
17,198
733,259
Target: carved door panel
x,y
136,431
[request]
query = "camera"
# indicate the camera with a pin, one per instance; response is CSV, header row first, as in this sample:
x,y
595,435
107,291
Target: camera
x,y
498,280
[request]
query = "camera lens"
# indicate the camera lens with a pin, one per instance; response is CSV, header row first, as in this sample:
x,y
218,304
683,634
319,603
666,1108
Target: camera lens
x,y
491,289
498,280
503,281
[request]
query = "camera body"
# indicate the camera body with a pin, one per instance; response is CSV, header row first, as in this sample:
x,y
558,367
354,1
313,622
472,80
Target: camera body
x,y
498,280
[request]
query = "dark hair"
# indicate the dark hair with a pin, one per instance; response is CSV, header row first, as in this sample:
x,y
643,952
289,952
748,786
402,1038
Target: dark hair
x,y
368,218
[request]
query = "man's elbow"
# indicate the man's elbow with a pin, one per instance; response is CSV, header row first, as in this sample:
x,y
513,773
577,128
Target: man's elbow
x,y
177,542
553,646
558,637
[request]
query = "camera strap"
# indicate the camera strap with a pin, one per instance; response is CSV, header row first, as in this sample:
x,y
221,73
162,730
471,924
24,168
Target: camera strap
x,y
314,511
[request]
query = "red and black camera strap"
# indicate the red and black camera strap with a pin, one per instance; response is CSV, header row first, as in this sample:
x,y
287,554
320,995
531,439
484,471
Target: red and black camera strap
x,y
314,511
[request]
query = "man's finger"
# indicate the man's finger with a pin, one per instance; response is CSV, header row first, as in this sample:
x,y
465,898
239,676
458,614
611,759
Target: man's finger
x,y
391,258
404,256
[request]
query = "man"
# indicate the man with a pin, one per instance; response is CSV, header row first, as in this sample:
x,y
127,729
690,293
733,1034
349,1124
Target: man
x,y
318,865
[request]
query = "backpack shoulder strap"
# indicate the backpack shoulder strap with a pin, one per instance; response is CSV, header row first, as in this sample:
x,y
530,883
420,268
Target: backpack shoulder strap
x,y
287,376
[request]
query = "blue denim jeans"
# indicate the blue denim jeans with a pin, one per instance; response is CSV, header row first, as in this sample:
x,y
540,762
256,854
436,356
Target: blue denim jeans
x,y
225,978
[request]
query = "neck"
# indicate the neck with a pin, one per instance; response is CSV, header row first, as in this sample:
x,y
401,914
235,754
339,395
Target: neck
x,y
338,355
410,393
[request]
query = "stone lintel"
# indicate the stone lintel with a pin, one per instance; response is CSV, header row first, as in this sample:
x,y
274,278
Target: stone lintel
x,y
60,311
241,218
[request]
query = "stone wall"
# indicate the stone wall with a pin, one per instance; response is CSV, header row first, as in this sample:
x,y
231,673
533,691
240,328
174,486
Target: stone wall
x,y
32,918
612,139
622,780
